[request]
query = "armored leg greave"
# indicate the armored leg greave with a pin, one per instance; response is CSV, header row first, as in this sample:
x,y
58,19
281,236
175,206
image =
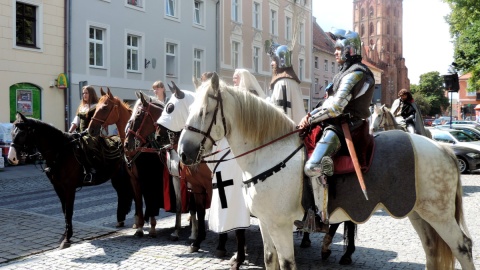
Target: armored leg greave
x,y
321,162
411,128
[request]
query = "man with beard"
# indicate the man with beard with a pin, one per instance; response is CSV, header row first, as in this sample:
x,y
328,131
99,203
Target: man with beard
x,y
284,85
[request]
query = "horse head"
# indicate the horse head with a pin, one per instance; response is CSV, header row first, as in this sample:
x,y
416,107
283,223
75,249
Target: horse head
x,y
21,138
142,124
176,110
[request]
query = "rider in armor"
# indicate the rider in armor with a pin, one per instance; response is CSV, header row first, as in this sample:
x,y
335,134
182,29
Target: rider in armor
x,y
407,114
284,85
349,99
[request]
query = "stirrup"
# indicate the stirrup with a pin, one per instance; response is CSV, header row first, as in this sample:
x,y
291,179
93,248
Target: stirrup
x,y
327,165
311,224
88,178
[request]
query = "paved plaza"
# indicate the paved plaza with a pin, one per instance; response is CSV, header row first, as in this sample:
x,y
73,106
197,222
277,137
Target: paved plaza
x,y
32,224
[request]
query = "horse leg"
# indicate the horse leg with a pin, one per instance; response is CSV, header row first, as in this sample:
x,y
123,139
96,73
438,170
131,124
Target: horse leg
x,y
193,218
306,240
123,187
69,201
440,251
139,219
153,223
270,256
350,229
200,200
327,241
221,250
178,213
239,258
282,238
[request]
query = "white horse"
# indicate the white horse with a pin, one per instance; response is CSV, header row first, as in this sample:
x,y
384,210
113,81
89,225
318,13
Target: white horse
x,y
273,192
383,119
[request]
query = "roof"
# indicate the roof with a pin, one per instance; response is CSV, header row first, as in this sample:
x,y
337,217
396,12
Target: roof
x,y
321,40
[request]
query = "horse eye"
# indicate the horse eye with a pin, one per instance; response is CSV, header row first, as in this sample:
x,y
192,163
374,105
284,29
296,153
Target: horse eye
x,y
170,108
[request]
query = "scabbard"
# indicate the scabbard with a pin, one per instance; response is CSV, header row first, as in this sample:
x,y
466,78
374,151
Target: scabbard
x,y
353,155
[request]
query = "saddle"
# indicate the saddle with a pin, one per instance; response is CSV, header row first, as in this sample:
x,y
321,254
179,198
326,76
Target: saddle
x,y
100,153
342,162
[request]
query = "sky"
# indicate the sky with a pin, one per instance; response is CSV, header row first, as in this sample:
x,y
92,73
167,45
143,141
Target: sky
x,y
427,43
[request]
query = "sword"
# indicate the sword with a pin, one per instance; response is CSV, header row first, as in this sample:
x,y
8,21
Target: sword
x,y
353,154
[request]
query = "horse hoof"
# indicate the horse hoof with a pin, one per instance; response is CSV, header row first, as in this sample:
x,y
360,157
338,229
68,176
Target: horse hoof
x,y
120,224
152,235
192,249
326,254
138,234
220,253
173,238
65,244
134,226
305,244
235,262
345,260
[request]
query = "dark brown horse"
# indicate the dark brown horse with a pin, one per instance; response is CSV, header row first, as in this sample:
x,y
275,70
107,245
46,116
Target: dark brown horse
x,y
142,131
65,155
147,177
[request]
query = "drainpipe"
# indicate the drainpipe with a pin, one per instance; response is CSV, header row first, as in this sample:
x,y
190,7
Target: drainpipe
x,y
66,61
217,34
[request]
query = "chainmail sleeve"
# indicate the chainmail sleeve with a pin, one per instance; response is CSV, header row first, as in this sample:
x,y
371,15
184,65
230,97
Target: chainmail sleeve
x,y
334,105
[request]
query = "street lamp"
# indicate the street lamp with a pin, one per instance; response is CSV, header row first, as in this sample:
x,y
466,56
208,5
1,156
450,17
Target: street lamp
x,y
451,84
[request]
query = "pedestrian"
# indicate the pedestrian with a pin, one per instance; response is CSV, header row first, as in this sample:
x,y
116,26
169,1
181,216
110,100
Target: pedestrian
x,y
284,85
158,89
85,110
243,79
407,114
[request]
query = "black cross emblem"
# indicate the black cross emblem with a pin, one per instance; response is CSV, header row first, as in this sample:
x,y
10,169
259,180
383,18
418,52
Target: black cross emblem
x,y
221,188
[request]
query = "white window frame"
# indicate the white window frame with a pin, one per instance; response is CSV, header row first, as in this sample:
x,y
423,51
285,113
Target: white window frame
x,y
129,51
174,13
171,72
325,63
97,42
257,15
256,59
333,67
138,5
301,33
316,62
199,13
236,53
288,28
316,89
325,84
274,22
198,63
236,11
38,27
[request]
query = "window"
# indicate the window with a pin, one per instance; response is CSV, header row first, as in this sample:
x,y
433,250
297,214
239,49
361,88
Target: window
x,y
198,12
26,23
132,52
325,84
235,54
301,34
137,3
235,10
197,63
371,30
273,22
96,46
256,58
333,67
300,68
326,65
316,62
171,57
256,15
171,8
288,28
316,86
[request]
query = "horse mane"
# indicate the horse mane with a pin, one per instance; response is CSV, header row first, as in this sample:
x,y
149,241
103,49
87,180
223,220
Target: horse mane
x,y
257,120
124,104
48,131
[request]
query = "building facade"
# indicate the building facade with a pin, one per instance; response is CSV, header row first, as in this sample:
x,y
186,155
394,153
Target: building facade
x,y
380,26
126,45
244,27
31,58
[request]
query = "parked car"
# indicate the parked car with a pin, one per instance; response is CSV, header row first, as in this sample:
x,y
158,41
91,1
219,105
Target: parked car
x,y
472,130
428,122
468,158
465,122
454,137
441,121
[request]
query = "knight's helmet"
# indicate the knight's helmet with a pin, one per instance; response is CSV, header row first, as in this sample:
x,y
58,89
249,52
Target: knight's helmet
x,y
281,54
348,41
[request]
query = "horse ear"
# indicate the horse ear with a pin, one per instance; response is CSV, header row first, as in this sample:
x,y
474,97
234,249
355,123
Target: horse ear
x,y
142,99
21,117
138,94
196,82
109,93
215,81
176,91
102,92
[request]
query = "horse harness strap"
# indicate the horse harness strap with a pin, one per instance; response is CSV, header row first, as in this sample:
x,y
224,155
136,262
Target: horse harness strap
x,y
254,180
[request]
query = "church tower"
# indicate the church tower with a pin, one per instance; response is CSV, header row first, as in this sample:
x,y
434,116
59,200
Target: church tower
x,y
380,26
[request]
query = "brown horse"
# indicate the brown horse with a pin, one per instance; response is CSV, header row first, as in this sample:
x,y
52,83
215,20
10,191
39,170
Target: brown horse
x,y
143,169
141,131
65,155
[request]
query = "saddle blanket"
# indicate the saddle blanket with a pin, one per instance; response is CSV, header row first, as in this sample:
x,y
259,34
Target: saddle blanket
x,y
228,210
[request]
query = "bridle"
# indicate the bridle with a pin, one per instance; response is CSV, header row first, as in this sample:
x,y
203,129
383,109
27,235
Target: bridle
x,y
136,134
206,135
114,108
383,120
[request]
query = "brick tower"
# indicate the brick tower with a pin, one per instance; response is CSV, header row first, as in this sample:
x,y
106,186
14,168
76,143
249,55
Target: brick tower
x,y
380,25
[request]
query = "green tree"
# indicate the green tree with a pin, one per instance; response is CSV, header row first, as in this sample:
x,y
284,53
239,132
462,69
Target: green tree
x,y
464,21
429,94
